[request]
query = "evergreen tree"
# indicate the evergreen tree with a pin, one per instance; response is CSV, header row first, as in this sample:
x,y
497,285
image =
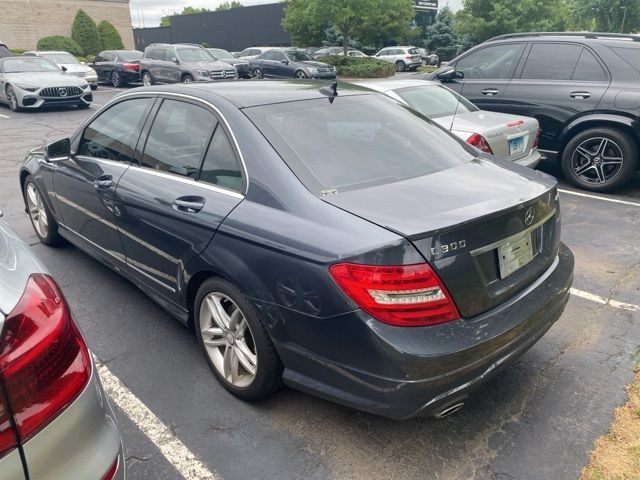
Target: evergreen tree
x,y
109,36
441,39
85,33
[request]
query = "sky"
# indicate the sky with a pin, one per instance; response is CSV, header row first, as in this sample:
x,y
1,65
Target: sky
x,y
148,12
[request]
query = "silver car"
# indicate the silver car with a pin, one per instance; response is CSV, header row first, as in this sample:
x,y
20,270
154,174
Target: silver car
x,y
71,63
34,82
404,58
509,137
60,424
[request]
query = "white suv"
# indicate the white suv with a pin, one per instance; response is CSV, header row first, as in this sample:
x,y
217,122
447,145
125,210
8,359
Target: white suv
x,y
404,58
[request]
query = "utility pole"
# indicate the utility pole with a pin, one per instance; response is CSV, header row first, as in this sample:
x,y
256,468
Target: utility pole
x,y
624,16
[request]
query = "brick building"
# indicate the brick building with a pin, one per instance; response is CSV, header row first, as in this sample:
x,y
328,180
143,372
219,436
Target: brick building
x,y
24,22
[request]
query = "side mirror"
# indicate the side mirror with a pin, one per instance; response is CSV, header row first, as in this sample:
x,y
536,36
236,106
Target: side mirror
x,y
60,150
64,69
175,60
448,74
286,62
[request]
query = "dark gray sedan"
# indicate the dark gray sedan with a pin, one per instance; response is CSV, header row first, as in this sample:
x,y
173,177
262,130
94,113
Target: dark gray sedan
x,y
321,235
290,63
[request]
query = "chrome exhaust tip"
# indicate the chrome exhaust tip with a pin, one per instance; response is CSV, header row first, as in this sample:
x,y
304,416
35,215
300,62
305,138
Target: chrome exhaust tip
x,y
450,410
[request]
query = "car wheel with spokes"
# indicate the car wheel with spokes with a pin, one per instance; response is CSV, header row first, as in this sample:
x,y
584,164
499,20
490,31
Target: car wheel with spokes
x,y
12,99
147,81
400,66
42,220
257,73
235,342
187,79
300,74
600,159
116,79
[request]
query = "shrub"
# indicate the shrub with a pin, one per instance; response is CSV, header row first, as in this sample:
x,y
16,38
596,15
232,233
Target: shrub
x,y
109,36
58,42
17,51
85,33
360,67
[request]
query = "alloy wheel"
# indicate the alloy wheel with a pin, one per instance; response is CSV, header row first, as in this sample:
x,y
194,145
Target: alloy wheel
x,y
597,160
228,339
146,79
187,79
400,66
300,74
258,73
115,79
37,211
13,100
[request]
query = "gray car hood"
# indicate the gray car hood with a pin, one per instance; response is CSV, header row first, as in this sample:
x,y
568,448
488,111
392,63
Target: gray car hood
x,y
45,79
17,263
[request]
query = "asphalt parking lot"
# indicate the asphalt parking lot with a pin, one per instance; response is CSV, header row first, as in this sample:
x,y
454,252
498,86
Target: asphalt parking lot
x,y
537,420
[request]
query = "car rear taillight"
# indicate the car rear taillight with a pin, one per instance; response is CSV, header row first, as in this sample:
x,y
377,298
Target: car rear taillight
x,y
8,439
480,143
44,362
131,66
535,140
113,469
402,295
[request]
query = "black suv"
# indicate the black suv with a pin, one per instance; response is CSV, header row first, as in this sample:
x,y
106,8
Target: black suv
x,y
584,89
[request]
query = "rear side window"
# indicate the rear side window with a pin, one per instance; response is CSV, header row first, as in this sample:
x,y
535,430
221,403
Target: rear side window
x,y
494,62
551,61
111,136
629,55
178,138
220,166
589,68
357,141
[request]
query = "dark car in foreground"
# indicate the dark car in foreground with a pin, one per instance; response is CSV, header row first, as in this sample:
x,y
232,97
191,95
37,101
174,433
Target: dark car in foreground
x,y
584,89
118,67
290,63
242,66
55,420
324,235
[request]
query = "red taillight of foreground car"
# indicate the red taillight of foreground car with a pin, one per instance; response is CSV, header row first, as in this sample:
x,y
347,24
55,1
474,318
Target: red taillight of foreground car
x,y
8,439
113,469
44,362
402,295
480,143
135,67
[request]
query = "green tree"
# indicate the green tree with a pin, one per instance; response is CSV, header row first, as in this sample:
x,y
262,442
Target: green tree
x,y
85,33
58,42
165,21
228,6
109,36
368,21
441,39
606,15
480,20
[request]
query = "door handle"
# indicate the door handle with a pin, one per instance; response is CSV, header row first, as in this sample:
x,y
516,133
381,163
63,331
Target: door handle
x,y
103,182
490,92
580,95
188,204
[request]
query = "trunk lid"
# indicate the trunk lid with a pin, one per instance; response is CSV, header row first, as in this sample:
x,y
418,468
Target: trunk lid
x,y
461,221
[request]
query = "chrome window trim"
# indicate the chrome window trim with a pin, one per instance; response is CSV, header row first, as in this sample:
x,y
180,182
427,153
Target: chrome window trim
x,y
105,161
217,112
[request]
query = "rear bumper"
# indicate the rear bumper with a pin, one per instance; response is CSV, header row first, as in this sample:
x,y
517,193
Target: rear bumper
x,y
532,160
405,372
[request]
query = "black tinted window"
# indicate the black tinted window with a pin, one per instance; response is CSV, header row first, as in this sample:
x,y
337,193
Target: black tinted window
x,y
111,136
551,61
495,62
589,68
220,165
178,138
269,55
629,55
132,56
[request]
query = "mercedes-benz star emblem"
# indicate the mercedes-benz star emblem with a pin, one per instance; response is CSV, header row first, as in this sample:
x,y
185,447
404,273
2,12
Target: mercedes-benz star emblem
x,y
529,216
62,91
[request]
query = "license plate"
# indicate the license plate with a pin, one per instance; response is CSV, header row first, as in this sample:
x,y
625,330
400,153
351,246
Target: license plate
x,y
515,254
516,145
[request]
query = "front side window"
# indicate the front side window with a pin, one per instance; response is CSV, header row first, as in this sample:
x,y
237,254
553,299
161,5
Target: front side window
x,y
358,141
551,61
178,138
270,55
298,56
111,136
496,62
220,166
435,101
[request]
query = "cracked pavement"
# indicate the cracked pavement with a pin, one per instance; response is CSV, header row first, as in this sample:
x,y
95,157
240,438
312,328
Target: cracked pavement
x,y
537,420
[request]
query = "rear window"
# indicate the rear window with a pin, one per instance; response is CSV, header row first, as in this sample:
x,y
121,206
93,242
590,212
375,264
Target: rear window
x,y
356,142
435,101
414,51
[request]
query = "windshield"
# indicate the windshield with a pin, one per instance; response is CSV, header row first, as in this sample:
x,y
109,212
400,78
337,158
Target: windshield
x,y
435,101
29,64
357,141
219,53
194,55
129,56
298,55
61,58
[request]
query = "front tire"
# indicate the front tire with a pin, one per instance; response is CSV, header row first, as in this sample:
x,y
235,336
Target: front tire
x,y
187,79
116,80
257,73
12,99
42,219
300,75
400,66
234,341
600,159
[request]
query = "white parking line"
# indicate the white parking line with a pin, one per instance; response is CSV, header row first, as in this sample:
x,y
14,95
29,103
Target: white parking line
x,y
169,445
598,197
605,301
4,116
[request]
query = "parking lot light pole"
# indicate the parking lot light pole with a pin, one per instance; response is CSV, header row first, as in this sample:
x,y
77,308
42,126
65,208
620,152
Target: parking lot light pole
x,y
624,16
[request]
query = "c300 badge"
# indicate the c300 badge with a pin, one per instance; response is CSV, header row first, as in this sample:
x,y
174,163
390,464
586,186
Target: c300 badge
x,y
449,247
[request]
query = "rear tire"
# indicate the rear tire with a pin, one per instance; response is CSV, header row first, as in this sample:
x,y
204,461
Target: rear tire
x,y
252,344
147,80
187,79
42,220
600,159
400,66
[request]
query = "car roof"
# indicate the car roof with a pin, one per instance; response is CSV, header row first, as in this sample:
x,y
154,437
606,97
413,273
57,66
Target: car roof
x,y
609,39
244,94
386,84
